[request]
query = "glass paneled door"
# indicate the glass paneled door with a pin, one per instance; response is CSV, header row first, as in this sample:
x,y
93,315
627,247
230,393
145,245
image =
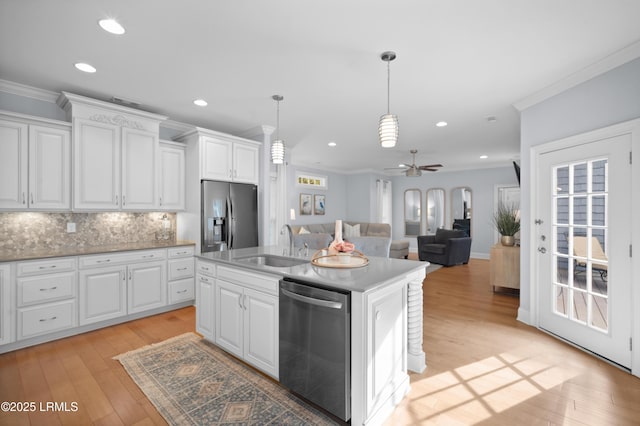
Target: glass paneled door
x,y
582,218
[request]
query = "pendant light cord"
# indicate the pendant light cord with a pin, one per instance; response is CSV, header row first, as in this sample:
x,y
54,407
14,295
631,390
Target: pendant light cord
x,y
388,86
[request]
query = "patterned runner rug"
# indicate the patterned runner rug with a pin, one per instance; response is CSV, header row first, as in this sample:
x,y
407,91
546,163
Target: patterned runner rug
x,y
191,382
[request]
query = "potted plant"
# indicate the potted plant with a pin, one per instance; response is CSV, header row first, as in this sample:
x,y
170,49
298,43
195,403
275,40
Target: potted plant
x,y
506,219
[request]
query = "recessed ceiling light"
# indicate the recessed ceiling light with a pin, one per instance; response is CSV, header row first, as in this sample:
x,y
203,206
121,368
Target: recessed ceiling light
x,y
332,144
492,119
441,123
484,156
200,102
85,67
111,26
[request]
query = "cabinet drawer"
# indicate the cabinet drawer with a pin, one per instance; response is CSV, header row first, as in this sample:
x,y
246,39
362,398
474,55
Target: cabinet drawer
x,y
262,282
60,264
181,251
121,257
46,288
181,290
180,268
206,268
48,318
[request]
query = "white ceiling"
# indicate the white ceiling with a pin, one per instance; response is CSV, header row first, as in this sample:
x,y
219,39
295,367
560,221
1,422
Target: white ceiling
x,y
458,60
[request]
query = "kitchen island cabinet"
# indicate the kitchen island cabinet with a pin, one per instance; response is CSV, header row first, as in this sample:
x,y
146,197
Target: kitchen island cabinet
x,y
386,341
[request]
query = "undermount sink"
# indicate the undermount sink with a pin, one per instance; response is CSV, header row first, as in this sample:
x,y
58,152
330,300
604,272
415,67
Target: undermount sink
x,y
272,260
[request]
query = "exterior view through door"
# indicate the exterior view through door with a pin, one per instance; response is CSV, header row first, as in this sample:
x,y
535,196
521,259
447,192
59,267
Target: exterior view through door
x,y
583,215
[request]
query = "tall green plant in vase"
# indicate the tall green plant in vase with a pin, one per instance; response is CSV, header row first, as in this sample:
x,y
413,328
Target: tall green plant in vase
x,y
506,219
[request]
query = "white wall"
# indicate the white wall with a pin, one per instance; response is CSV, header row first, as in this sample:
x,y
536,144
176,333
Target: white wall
x,y
607,99
482,183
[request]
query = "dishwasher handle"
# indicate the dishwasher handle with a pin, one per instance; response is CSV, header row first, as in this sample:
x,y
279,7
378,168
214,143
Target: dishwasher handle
x,y
312,301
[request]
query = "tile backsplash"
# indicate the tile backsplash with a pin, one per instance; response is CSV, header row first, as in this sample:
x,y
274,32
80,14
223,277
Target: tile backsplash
x,y
33,230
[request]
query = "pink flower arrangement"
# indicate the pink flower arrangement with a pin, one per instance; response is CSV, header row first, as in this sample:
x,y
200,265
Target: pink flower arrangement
x,y
344,247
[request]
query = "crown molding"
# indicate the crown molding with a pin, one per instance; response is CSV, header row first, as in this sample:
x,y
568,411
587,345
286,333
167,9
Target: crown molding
x,y
621,57
28,91
177,125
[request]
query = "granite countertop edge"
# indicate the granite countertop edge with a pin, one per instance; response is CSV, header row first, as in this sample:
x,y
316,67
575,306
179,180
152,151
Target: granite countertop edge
x,y
378,273
16,256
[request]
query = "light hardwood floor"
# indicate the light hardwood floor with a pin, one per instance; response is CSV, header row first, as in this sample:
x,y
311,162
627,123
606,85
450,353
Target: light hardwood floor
x,y
484,368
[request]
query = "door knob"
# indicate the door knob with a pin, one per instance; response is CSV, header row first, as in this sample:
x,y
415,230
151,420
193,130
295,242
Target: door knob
x,y
542,250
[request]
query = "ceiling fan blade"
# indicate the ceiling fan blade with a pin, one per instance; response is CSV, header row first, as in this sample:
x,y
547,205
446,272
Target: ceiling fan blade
x,y
430,166
428,169
395,168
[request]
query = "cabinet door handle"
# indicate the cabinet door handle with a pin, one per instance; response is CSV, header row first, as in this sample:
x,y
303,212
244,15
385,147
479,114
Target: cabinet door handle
x,y
103,261
123,276
47,267
230,173
124,200
182,269
24,200
160,200
32,198
181,252
116,198
181,291
48,319
49,289
129,275
147,256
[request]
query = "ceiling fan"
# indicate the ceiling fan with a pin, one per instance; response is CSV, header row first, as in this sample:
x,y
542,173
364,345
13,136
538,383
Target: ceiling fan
x,y
413,170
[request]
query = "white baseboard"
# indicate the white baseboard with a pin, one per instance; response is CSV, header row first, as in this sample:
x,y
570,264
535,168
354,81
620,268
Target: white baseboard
x,y
475,255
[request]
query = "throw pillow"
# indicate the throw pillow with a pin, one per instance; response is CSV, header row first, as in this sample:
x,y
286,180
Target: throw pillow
x,y
351,231
303,230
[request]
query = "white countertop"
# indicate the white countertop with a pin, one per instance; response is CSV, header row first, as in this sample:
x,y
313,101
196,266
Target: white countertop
x,y
377,273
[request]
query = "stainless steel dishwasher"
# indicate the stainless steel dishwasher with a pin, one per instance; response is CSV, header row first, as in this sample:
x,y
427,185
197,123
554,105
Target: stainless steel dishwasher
x,y
315,345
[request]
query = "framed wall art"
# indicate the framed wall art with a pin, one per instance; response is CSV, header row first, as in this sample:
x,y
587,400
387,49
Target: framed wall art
x,y
311,181
306,208
318,204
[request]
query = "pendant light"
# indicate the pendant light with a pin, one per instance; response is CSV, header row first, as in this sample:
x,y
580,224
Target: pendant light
x,y
277,146
388,129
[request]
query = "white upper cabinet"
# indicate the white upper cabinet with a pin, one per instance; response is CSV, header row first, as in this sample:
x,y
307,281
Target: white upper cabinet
x,y
245,163
35,170
219,156
139,170
49,168
216,160
172,176
116,153
96,165
14,162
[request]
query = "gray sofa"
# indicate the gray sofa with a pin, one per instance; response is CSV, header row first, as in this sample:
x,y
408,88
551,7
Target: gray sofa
x,y
374,238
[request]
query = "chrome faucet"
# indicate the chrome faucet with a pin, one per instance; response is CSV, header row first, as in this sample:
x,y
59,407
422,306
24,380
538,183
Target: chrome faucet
x,y
288,228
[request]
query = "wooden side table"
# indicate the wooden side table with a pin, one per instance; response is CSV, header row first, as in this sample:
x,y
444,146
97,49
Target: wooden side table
x,y
504,267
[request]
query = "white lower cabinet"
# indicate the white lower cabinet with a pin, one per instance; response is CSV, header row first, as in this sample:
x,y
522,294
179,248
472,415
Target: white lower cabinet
x,y
103,294
45,296
5,304
246,319
204,306
147,286
180,269
261,336
136,282
41,319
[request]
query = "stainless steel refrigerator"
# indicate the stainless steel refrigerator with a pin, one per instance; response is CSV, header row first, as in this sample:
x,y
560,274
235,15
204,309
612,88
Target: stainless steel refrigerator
x,y
229,215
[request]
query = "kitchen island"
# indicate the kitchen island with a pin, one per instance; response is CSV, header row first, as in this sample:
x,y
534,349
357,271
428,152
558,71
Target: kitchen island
x,y
237,302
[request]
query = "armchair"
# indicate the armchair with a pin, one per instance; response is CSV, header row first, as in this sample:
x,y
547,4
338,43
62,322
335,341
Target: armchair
x,y
448,247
